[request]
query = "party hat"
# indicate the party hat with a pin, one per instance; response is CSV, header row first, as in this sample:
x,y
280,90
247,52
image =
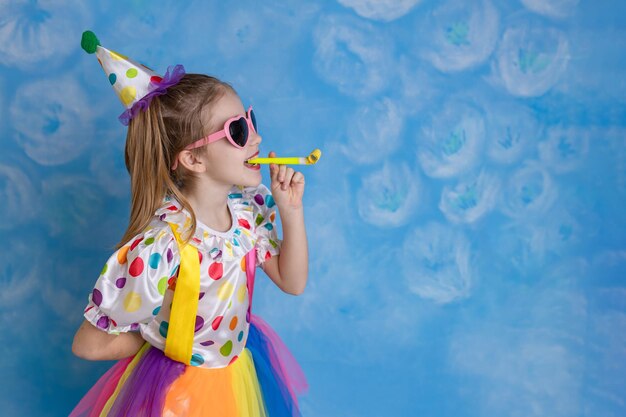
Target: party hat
x,y
135,84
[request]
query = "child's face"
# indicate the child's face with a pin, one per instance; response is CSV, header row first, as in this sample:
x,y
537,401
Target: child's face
x,y
225,162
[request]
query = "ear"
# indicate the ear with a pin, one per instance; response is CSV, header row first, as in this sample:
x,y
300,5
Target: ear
x,y
191,162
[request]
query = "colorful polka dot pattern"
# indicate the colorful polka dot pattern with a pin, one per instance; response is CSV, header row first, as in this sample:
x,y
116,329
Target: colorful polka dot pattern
x,y
136,284
130,80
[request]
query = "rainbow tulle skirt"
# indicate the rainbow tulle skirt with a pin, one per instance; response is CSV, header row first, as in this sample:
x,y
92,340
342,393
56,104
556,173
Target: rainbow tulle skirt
x,y
264,381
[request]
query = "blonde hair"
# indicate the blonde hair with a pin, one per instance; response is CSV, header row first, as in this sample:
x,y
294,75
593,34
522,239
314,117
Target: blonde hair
x,y
154,139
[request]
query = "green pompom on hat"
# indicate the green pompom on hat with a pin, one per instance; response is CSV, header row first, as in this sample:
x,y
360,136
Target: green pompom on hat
x,y
130,80
89,42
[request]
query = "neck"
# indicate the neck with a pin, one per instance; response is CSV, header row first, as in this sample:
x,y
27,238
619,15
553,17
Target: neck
x,y
211,206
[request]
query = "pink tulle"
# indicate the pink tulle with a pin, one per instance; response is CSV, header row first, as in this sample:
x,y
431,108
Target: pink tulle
x,y
281,358
93,402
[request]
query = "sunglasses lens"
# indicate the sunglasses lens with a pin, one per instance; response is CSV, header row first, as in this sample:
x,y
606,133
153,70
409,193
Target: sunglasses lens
x,y
239,131
253,121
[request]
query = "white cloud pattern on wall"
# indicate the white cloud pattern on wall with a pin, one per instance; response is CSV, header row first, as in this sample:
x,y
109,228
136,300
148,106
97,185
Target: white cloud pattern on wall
x,y
523,354
449,143
108,168
20,274
470,199
436,263
463,34
385,10
529,192
351,55
512,131
530,59
373,131
389,197
43,31
73,204
552,8
51,120
564,149
18,195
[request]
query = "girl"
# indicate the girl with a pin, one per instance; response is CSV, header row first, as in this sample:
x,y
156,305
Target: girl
x,y
173,303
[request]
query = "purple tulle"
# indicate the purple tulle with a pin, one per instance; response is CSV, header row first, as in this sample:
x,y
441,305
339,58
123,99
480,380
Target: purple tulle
x,y
143,394
171,77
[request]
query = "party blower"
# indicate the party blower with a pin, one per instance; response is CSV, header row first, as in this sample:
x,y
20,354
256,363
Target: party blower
x,y
290,160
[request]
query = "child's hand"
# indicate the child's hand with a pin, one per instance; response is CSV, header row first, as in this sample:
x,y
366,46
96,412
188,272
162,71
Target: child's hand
x,y
287,185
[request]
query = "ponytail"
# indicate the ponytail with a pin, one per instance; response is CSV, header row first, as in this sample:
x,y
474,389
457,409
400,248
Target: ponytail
x,y
148,165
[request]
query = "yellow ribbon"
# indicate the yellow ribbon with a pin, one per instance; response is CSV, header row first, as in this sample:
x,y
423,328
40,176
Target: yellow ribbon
x,y
181,329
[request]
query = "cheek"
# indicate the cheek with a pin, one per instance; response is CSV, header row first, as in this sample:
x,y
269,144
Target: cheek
x,y
228,161
224,153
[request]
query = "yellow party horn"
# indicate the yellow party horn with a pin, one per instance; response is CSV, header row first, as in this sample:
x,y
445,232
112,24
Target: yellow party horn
x,y
290,160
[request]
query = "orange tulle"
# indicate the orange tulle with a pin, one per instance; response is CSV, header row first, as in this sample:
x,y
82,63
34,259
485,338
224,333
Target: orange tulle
x,y
221,392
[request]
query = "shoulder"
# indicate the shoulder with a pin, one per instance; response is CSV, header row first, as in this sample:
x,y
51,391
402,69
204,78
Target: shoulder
x,y
151,248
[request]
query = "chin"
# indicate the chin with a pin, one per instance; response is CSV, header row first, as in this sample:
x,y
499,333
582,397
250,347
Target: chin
x,y
252,183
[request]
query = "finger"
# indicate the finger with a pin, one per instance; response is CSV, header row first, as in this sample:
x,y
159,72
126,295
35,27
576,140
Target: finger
x,y
288,177
289,174
282,170
298,177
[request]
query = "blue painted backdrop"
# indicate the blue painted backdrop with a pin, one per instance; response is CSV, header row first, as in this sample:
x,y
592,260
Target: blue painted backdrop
x,y
466,221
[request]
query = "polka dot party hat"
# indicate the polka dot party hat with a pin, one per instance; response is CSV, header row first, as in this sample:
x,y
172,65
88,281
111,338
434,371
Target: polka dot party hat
x,y
135,84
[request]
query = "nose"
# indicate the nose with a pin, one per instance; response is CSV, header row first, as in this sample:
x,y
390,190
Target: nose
x,y
255,138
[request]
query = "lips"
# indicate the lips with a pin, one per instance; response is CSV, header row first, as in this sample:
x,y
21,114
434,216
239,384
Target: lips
x,y
254,167
250,157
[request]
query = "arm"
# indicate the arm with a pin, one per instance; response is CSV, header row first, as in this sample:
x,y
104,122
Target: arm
x,y
93,344
289,269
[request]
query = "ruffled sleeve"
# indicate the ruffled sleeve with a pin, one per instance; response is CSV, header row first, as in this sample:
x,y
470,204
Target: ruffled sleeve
x,y
132,283
264,213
